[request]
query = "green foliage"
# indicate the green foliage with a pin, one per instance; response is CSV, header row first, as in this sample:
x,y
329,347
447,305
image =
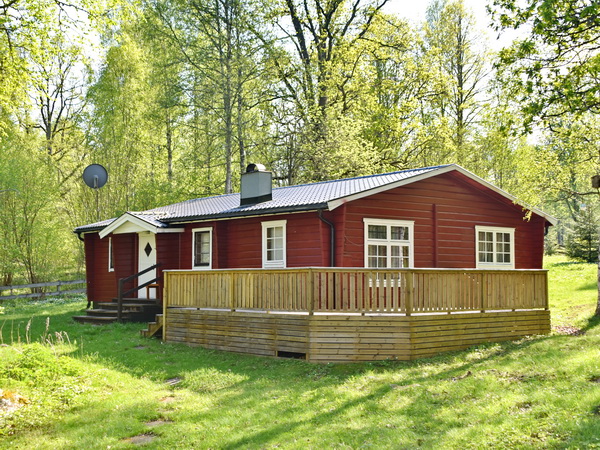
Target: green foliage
x,y
34,243
555,66
583,243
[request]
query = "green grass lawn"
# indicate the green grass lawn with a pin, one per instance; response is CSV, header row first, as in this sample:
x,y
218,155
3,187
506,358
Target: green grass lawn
x,y
99,387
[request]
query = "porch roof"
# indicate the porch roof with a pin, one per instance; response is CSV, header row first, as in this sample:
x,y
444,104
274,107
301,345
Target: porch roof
x,y
306,197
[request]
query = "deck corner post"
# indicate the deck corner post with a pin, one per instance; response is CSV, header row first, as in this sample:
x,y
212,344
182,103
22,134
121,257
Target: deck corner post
x,y
546,299
409,292
165,300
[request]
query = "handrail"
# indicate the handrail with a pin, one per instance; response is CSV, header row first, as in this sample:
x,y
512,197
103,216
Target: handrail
x,y
122,281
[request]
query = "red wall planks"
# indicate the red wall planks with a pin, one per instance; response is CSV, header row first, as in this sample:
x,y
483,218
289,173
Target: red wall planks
x,y
101,283
458,207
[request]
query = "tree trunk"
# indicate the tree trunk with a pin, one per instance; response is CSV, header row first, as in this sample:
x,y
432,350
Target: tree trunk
x,y
169,149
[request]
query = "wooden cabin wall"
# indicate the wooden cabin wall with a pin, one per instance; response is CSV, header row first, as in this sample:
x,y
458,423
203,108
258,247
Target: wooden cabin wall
x,y
101,284
237,243
168,253
446,210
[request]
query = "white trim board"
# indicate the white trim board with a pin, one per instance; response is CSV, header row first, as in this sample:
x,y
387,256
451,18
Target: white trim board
x,y
129,223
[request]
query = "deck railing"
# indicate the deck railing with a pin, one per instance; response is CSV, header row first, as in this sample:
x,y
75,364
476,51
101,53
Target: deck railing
x,y
357,290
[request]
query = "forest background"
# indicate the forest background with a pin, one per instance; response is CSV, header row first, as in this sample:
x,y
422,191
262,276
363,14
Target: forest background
x,y
175,97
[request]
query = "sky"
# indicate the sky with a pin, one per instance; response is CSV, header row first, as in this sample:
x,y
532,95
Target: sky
x,y
414,11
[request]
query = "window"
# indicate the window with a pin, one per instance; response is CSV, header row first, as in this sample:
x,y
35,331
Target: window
x,y
202,248
111,261
273,244
495,247
388,243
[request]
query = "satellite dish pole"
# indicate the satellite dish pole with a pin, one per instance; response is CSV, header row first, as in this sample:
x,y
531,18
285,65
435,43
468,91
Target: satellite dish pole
x,y
95,176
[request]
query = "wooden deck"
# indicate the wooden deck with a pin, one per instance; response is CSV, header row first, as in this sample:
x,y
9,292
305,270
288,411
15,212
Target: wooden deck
x,y
324,314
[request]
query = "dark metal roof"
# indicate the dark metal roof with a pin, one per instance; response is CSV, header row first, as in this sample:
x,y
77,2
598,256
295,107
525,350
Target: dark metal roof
x,y
304,197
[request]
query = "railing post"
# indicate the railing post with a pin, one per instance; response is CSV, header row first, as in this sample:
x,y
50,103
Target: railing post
x,y
231,293
311,292
409,292
483,290
120,301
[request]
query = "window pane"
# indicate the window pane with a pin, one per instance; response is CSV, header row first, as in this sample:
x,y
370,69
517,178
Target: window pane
x,y
274,244
396,261
377,256
377,232
400,233
201,248
274,232
485,247
503,248
400,256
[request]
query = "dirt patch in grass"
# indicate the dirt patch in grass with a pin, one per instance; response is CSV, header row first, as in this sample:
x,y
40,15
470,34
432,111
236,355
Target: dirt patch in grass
x,y
158,422
141,439
568,330
167,399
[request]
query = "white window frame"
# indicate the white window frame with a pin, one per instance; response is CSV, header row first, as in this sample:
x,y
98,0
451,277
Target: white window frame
x,y
495,264
275,264
111,263
410,224
210,249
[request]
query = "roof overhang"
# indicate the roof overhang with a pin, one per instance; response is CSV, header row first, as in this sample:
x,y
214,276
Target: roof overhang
x,y
129,223
332,204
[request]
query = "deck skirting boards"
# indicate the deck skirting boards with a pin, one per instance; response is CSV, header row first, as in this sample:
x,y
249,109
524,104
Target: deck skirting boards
x,y
346,338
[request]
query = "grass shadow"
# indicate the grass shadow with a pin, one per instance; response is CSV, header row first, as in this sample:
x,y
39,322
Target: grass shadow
x,y
567,263
588,287
592,323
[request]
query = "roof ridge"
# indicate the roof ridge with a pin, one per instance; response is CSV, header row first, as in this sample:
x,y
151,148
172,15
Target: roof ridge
x,y
364,176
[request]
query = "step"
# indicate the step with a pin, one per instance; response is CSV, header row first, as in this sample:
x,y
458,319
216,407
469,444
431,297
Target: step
x,y
152,301
129,306
153,327
106,312
95,320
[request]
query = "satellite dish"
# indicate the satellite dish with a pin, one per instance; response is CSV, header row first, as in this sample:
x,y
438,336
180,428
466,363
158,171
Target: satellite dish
x,y
95,176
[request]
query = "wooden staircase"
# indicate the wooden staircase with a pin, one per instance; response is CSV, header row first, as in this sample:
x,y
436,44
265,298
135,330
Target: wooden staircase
x,y
123,308
154,328
134,310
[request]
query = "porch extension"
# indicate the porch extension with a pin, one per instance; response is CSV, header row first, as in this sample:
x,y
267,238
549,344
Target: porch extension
x,y
345,314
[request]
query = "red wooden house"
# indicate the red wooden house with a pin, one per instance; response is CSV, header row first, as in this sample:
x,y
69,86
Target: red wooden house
x,y
392,232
